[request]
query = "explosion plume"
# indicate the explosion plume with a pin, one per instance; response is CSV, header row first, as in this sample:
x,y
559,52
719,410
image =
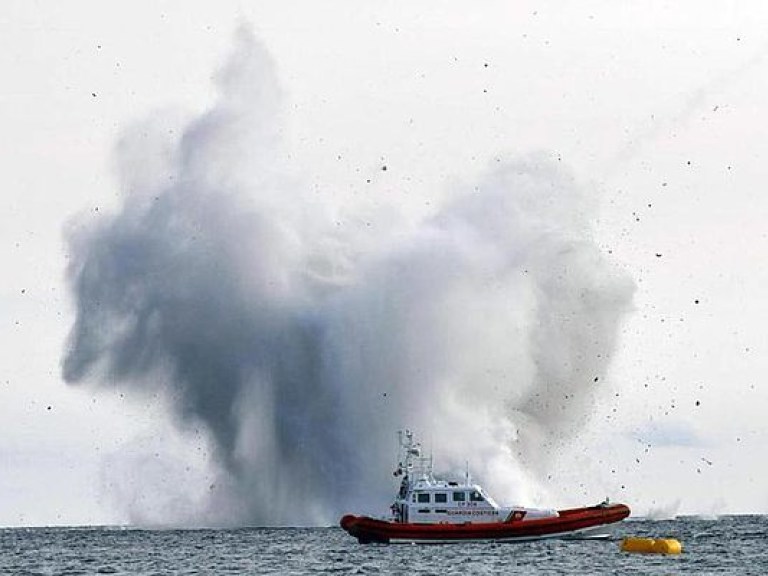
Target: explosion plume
x,y
221,284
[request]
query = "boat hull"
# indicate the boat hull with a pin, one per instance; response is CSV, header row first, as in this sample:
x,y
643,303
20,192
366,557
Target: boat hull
x,y
572,522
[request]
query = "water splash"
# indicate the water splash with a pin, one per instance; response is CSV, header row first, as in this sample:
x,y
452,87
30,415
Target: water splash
x,y
220,284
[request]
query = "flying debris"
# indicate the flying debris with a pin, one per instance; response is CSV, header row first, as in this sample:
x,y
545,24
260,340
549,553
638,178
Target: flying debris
x,y
223,286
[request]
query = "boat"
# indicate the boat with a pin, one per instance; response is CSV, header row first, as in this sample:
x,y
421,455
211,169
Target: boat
x,y
431,510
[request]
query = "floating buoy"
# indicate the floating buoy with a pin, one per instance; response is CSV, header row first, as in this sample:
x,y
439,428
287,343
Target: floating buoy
x,y
637,545
651,546
667,546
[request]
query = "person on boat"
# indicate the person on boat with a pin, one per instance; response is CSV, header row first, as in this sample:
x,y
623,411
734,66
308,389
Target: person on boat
x,y
403,487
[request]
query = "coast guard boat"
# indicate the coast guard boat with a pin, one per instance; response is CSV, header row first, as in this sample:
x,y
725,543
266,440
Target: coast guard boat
x,y
429,510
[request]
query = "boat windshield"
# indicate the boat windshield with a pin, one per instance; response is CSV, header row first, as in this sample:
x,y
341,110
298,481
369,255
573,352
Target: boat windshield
x,y
479,495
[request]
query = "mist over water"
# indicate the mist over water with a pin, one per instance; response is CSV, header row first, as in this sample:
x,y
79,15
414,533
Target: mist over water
x,y
301,347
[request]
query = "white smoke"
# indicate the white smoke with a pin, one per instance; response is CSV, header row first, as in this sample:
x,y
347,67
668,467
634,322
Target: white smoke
x,y
221,284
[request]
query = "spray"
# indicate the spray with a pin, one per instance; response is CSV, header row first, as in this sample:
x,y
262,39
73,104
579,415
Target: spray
x,y
219,285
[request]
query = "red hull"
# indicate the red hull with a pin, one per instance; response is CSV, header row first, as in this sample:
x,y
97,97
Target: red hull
x,y
367,529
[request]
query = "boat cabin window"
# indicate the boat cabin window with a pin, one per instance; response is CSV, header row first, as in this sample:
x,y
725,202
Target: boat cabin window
x,y
423,497
475,496
441,497
459,496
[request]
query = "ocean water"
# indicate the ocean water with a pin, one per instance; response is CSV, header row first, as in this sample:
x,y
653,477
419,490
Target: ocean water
x,y
728,545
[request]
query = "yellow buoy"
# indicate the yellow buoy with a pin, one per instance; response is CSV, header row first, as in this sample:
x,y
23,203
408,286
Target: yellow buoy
x,y
667,546
651,546
637,545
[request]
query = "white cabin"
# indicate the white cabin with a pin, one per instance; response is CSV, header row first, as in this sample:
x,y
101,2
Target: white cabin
x,y
426,500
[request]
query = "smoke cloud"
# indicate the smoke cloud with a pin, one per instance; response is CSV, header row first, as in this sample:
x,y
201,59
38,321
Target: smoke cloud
x,y
221,285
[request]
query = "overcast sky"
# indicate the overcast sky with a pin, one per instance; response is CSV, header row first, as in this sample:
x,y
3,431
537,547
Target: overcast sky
x,y
657,107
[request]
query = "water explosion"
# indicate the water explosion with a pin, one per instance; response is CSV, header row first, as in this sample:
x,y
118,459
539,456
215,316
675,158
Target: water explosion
x,y
221,284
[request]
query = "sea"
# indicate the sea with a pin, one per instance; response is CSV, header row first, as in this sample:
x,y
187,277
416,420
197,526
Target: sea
x,y
725,545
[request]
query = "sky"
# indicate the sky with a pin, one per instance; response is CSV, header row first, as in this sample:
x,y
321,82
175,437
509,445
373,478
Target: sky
x,y
656,109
